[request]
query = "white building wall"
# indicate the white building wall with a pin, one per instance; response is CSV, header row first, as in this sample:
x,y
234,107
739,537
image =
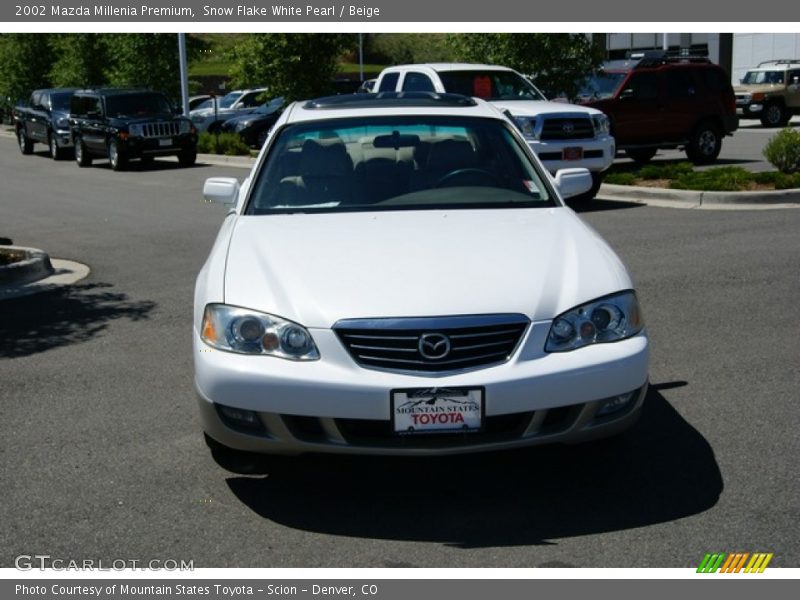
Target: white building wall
x,y
749,49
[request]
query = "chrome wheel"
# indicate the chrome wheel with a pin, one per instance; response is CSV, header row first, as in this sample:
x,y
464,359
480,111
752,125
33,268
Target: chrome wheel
x,y
53,144
707,143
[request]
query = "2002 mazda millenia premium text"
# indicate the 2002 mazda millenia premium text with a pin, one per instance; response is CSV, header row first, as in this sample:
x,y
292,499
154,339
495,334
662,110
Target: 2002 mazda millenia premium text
x,y
399,275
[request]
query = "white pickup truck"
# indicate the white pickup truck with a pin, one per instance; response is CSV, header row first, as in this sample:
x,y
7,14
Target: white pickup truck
x,y
562,135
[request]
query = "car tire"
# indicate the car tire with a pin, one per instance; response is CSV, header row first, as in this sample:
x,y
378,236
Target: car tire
x,y
56,153
705,144
187,157
116,157
236,461
640,155
597,181
25,144
82,156
774,115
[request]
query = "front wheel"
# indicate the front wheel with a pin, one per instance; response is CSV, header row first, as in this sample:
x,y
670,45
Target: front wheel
x,y
56,153
774,115
116,158
705,144
640,155
25,144
82,156
187,157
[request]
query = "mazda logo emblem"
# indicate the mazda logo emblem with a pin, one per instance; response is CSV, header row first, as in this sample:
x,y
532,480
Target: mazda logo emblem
x,y
433,346
568,127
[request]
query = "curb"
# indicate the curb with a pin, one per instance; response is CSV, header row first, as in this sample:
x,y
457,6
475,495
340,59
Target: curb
x,y
64,273
698,199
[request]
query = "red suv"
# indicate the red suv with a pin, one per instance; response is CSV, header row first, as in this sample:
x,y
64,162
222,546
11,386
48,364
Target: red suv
x,y
658,101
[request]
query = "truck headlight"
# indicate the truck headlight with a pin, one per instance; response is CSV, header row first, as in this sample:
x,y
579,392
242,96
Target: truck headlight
x,y
602,124
607,319
185,126
136,130
62,123
245,331
527,125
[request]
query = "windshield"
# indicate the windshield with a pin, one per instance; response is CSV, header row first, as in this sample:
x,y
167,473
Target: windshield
x,y
137,105
60,101
601,85
490,85
228,99
396,163
763,77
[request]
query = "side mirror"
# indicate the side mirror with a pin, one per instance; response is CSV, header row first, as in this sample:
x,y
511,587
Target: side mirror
x,y
177,110
221,190
573,182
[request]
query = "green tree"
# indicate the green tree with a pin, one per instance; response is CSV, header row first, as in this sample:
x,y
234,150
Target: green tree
x,y
293,65
556,61
148,60
80,59
25,61
399,48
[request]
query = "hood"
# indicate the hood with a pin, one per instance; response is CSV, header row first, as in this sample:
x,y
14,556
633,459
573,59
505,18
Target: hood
x,y
316,269
157,118
540,107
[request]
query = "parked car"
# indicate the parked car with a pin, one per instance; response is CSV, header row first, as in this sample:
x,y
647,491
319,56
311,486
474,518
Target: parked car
x,y
367,86
400,275
663,101
562,136
125,124
211,114
254,127
44,119
770,92
196,101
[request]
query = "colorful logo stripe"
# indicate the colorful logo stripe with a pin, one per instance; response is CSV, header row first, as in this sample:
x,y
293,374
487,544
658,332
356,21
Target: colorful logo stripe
x,y
735,562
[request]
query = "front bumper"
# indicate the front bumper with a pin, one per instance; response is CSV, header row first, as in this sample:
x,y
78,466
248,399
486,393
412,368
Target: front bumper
x,y
136,147
64,138
598,153
749,110
333,405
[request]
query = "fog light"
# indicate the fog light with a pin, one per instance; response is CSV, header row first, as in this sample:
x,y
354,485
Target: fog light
x,y
240,419
615,404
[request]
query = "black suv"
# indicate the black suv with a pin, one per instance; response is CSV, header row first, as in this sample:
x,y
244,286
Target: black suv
x,y
662,101
122,124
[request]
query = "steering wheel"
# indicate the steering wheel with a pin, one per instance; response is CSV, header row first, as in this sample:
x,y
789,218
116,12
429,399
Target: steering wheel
x,y
472,172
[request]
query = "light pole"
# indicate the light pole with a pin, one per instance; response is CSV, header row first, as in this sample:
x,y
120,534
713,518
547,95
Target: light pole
x,y
184,75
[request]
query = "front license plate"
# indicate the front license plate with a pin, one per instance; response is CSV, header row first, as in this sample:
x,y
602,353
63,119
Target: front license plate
x,y
437,410
572,153
165,141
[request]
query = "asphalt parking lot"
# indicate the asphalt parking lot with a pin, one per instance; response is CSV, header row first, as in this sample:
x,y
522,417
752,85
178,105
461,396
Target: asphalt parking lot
x,y
102,455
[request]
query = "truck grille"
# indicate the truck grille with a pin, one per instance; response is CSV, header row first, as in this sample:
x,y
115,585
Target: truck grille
x,y
432,344
567,128
165,129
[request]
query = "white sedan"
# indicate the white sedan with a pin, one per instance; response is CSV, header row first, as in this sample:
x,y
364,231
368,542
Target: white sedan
x,y
399,275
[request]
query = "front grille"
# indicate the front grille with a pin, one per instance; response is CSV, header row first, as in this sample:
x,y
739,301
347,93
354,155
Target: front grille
x,y
567,128
165,129
399,344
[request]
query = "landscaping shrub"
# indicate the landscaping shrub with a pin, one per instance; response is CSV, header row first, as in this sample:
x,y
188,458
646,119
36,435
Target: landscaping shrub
x,y
620,178
783,150
666,171
230,144
722,179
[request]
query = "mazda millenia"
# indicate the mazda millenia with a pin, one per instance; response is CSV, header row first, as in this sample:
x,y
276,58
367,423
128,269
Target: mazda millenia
x,y
399,275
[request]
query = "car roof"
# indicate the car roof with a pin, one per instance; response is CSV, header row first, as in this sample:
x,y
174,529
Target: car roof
x,y
389,104
55,90
117,91
455,67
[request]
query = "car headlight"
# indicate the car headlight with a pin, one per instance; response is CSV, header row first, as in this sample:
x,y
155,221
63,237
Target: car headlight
x,y
602,125
527,125
244,331
607,319
62,123
136,130
746,98
185,126
198,118
239,125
